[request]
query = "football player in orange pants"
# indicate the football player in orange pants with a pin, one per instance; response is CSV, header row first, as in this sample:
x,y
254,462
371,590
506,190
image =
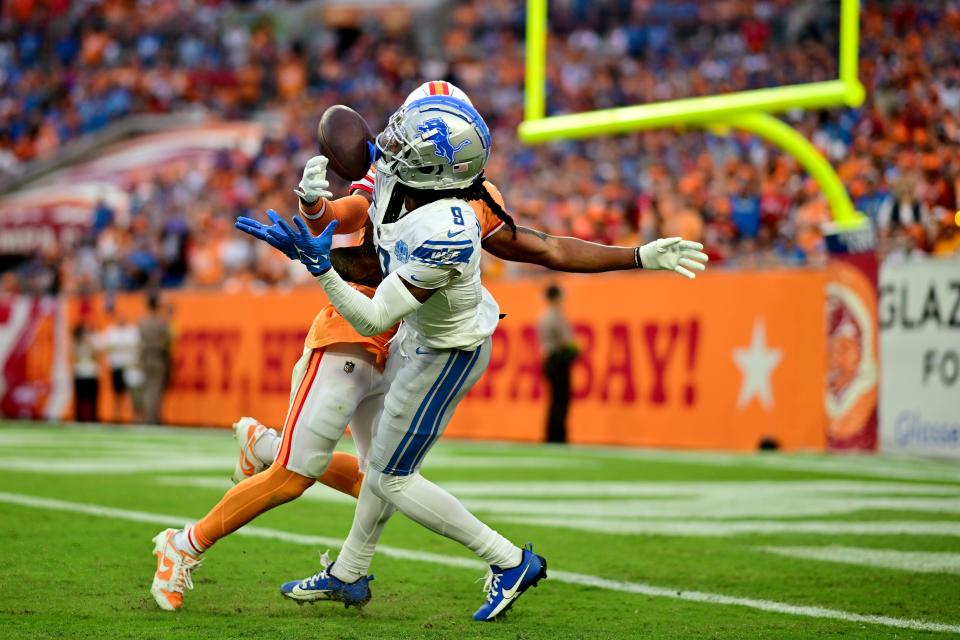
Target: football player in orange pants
x,y
339,377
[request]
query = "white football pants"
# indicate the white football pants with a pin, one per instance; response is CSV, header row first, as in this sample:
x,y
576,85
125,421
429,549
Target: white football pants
x,y
423,388
331,387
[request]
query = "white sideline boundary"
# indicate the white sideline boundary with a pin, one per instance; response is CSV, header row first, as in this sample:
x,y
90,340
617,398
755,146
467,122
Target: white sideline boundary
x,y
883,466
567,577
911,561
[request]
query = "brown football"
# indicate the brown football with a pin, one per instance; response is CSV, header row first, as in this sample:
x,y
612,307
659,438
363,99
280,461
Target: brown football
x,y
343,135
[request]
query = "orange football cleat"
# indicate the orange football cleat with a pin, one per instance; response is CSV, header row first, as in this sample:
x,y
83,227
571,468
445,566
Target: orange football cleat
x,y
173,571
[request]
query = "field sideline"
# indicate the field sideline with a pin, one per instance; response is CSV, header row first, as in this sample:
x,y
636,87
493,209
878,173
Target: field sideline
x,y
640,543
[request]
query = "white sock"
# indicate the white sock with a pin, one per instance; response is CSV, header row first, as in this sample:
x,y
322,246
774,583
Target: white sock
x,y
433,507
186,541
266,446
369,520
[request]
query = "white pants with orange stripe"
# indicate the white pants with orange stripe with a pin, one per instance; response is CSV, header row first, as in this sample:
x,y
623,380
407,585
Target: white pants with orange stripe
x,y
331,387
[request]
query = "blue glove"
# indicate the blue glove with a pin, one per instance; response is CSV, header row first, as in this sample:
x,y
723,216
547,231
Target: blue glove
x,y
312,251
260,232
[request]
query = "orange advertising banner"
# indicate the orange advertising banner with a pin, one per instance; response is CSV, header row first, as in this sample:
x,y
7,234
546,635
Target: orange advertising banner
x,y
232,355
722,362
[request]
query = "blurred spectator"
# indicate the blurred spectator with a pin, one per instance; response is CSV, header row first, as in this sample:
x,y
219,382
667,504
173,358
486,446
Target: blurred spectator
x,y
86,373
120,340
102,217
155,348
560,350
74,69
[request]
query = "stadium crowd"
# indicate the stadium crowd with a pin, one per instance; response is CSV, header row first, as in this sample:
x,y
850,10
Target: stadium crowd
x,y
70,68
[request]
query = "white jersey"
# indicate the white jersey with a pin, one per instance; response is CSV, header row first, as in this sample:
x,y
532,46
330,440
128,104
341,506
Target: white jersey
x,y
122,344
437,246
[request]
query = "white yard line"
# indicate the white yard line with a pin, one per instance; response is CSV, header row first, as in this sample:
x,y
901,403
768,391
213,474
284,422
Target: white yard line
x,y
708,490
158,462
669,501
913,561
745,505
867,465
673,488
864,465
716,528
555,575
122,461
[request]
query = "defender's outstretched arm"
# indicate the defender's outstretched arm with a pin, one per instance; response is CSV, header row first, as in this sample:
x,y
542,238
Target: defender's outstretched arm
x,y
579,256
559,253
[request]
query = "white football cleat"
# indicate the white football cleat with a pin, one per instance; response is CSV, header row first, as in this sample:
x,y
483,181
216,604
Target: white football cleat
x,y
247,431
173,571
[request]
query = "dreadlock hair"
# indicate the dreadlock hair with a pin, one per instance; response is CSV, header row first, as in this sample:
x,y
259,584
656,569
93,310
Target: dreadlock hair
x,y
476,191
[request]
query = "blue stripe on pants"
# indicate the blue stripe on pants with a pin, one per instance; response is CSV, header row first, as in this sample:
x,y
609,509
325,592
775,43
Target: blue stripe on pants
x,y
434,431
418,435
405,441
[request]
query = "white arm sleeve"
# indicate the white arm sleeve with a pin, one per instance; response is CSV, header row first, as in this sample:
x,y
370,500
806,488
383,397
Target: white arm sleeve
x,y
369,316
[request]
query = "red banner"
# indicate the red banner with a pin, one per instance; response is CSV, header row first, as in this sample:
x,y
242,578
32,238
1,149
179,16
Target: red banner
x,y
34,366
851,384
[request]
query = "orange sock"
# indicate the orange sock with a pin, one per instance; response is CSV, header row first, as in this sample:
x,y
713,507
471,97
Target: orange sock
x,y
247,500
343,474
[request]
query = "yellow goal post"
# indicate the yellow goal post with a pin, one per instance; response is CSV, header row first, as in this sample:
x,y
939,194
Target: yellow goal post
x,y
746,110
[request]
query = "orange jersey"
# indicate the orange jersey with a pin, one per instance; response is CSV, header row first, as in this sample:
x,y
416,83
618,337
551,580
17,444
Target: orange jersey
x,y
329,327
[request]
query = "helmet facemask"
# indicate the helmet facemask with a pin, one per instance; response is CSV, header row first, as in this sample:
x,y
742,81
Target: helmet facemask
x,y
393,144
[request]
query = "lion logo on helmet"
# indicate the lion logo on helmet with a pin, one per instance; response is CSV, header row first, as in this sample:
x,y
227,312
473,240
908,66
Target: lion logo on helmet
x,y
436,131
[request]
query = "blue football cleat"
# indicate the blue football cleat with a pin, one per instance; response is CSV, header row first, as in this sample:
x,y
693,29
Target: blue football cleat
x,y
504,586
324,586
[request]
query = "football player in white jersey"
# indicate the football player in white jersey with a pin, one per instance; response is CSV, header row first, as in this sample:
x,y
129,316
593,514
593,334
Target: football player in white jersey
x,y
339,376
427,237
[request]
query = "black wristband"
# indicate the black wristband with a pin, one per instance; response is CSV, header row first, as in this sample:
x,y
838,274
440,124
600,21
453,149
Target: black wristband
x,y
636,258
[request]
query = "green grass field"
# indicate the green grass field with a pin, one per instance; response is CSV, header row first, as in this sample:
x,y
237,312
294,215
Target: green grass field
x,y
640,544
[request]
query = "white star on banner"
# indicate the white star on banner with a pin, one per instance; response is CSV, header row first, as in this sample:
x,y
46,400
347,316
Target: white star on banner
x,y
756,364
